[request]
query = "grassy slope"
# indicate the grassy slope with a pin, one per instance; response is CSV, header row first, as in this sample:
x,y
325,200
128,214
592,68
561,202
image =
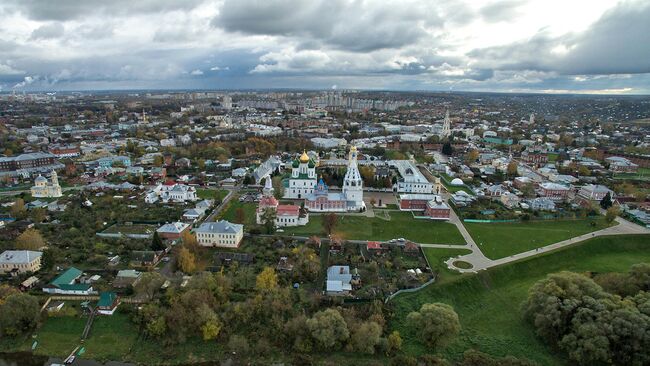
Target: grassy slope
x,y
400,225
504,239
437,258
488,303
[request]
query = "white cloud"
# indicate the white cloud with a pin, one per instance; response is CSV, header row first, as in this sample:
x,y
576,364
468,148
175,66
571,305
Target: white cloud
x,y
8,70
196,72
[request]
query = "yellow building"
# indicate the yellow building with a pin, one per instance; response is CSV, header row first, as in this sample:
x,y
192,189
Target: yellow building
x,y
20,261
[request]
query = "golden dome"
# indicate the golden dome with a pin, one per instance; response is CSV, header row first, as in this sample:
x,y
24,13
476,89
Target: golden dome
x,y
353,148
304,158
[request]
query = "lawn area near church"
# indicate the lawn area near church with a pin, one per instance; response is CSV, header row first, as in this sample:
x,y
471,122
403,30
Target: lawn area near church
x,y
499,240
488,303
400,225
211,194
230,213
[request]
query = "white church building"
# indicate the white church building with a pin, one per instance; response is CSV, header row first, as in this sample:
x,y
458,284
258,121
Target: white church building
x,y
302,181
349,200
44,189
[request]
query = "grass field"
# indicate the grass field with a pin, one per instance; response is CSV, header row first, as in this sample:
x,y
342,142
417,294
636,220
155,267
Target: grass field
x,y
211,194
400,225
488,304
230,212
642,173
504,239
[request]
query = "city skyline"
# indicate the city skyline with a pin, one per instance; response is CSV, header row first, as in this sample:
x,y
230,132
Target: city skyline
x,y
487,46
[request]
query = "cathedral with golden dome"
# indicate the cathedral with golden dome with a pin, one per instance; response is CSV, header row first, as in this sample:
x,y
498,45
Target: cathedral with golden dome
x,y
302,181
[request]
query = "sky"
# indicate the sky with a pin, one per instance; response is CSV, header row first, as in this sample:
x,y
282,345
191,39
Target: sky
x,y
547,46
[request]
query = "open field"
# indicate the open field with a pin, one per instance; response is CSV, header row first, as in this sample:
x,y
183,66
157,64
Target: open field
x,y
400,225
642,174
488,303
499,240
230,212
212,194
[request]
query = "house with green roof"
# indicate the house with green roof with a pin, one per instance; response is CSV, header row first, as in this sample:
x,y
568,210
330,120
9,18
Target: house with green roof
x,y
108,302
67,283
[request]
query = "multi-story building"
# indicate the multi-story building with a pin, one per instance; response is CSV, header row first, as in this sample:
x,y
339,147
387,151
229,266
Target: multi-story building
x,y
594,192
27,164
20,261
219,234
64,151
411,180
437,209
554,191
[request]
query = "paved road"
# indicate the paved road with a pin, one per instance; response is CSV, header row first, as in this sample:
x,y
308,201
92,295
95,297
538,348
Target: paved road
x,y
223,204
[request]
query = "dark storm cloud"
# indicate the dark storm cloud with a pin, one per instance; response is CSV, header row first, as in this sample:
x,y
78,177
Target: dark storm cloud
x,y
62,10
618,43
354,26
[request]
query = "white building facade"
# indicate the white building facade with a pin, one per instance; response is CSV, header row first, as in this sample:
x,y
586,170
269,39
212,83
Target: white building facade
x,y
302,182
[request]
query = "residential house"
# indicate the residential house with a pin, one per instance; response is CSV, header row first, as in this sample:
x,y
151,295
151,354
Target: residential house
x,y
509,200
126,278
339,280
67,283
172,231
108,303
541,204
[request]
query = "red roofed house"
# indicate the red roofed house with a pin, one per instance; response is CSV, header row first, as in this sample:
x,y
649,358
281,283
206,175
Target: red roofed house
x,y
286,215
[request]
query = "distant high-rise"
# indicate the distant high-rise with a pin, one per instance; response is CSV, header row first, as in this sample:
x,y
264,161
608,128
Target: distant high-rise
x,y
226,102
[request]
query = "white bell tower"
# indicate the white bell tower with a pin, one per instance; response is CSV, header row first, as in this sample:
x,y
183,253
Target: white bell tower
x,y
352,183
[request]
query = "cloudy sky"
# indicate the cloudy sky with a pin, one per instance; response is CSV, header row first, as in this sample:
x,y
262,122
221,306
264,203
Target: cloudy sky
x,y
552,46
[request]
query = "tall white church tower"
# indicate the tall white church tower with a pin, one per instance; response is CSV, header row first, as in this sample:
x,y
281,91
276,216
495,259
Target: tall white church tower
x,y
446,125
352,183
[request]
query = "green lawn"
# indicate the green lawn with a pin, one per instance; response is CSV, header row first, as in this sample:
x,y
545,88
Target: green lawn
x,y
230,212
111,338
488,303
212,194
400,225
499,240
58,336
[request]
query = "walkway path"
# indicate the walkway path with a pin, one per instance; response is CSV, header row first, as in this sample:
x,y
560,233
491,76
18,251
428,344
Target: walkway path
x,y
480,261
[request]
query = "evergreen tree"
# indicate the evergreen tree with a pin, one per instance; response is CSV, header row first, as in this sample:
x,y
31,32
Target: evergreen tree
x,y
156,243
606,202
